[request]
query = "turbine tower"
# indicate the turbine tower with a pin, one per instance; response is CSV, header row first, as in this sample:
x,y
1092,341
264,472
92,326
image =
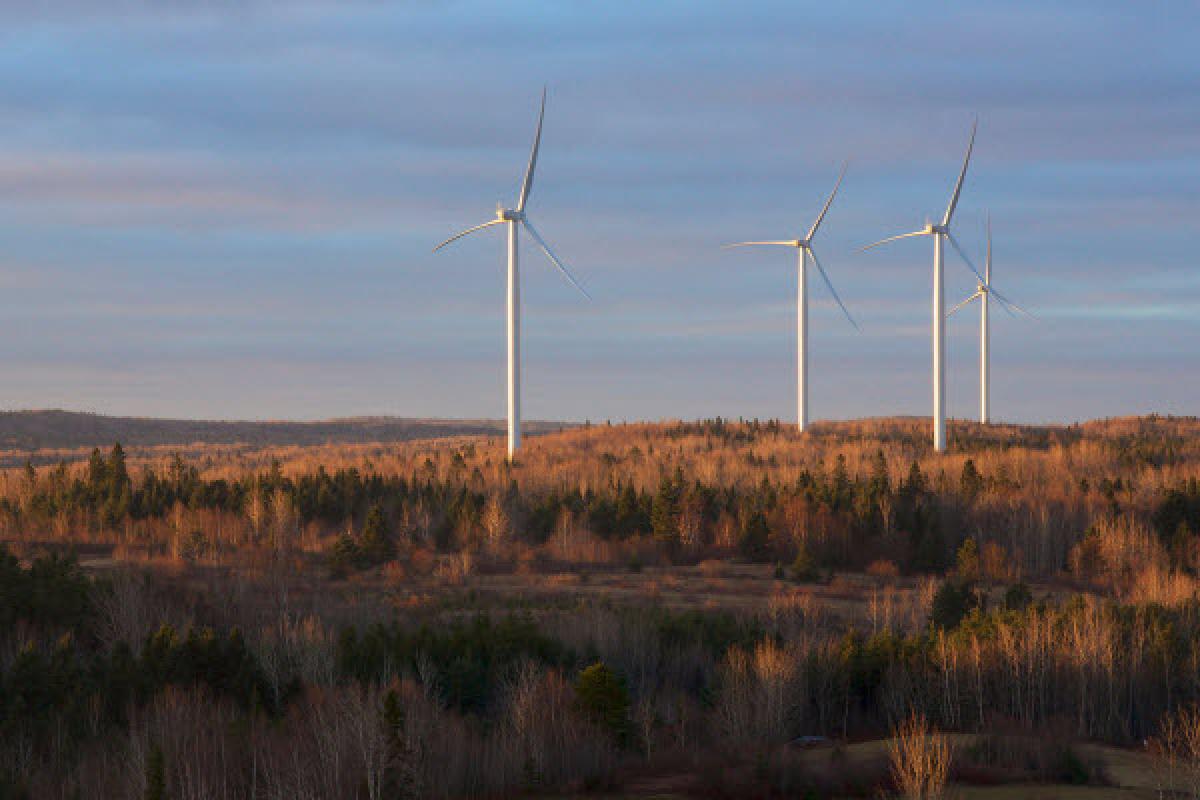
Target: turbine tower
x,y
512,218
983,293
939,233
804,251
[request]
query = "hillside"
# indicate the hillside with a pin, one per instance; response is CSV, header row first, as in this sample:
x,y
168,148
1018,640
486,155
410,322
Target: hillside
x,y
670,609
64,430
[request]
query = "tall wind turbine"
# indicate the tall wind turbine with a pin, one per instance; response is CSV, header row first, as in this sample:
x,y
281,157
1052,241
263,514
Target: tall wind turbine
x,y
983,293
512,218
940,232
804,251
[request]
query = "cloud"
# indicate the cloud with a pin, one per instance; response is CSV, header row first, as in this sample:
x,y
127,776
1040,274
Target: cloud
x,y
257,185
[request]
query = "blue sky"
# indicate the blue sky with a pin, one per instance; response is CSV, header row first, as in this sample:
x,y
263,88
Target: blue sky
x,y
226,210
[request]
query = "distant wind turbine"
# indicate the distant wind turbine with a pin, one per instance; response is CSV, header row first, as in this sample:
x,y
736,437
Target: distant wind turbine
x,y
512,218
804,248
982,293
940,232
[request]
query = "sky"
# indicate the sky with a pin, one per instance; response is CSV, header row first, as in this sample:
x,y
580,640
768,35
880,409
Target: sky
x,y
227,210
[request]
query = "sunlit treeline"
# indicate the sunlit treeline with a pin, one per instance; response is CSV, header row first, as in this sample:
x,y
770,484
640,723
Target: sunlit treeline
x,y
844,494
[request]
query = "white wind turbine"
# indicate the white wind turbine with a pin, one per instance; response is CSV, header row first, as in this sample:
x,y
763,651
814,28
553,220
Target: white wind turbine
x,y
804,250
512,218
983,292
940,232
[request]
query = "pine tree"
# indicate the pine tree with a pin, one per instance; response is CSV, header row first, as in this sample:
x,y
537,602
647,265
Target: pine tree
x,y
117,474
755,538
97,471
664,512
156,775
967,561
804,567
377,545
881,483
601,695
839,488
971,482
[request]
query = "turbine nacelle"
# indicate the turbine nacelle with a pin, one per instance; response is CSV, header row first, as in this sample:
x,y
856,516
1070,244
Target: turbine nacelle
x,y
516,219
806,249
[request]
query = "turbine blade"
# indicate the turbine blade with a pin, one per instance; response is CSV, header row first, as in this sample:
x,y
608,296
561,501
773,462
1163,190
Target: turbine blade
x,y
963,303
812,231
755,244
894,238
1010,303
527,184
832,290
987,267
963,254
546,249
1007,309
961,176
487,224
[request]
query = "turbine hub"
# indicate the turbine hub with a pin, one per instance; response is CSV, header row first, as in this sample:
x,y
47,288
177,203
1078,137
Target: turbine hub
x,y
802,243
931,228
509,214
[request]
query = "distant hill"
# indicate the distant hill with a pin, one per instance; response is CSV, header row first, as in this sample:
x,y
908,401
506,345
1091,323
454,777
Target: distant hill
x,y
59,430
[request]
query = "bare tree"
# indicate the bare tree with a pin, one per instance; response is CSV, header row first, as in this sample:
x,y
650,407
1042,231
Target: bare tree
x,y
920,759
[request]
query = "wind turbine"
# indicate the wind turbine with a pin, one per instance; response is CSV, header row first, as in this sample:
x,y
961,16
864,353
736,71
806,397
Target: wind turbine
x,y
983,293
804,250
512,218
939,232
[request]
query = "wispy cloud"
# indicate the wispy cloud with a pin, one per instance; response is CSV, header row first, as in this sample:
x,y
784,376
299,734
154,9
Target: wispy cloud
x,y
213,192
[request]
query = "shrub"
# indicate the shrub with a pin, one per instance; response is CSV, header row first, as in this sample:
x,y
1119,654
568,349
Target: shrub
x,y
882,568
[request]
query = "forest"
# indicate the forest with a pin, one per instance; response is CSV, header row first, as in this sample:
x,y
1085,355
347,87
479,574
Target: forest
x,y
714,608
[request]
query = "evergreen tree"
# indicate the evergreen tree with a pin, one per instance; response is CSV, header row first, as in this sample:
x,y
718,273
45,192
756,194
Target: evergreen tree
x,y
400,773
156,775
951,603
602,696
881,483
804,567
377,545
97,472
345,555
664,512
754,541
967,561
116,473
971,482
839,485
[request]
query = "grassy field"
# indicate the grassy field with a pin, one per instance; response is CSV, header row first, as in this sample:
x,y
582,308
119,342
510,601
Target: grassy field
x,y
1129,775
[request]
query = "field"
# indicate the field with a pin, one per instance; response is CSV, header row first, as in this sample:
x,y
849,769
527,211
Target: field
x,y
635,611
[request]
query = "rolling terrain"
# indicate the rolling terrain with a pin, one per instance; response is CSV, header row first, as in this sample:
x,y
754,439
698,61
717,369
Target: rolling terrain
x,y
33,432
674,609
